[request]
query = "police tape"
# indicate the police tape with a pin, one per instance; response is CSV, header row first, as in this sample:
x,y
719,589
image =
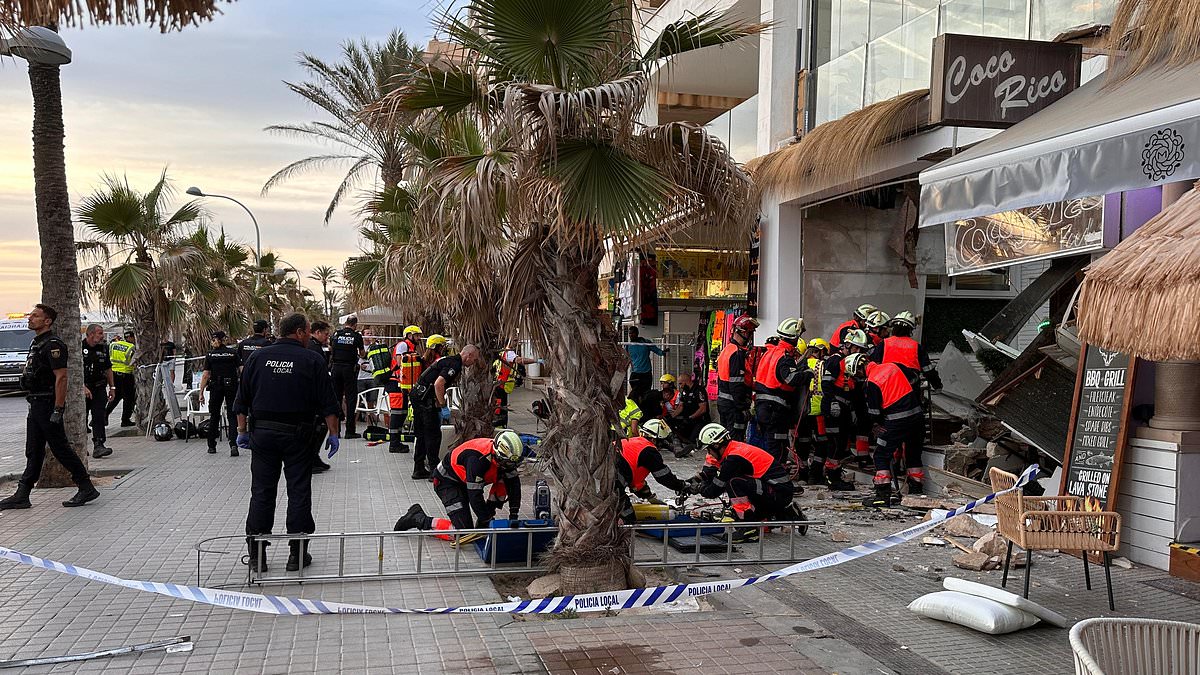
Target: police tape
x,y
590,602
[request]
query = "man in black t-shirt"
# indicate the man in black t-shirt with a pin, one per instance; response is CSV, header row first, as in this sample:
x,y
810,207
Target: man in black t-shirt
x,y
429,397
220,379
692,411
346,347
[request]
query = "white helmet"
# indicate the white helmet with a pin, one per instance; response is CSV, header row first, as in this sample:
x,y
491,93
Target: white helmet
x,y
878,319
856,365
857,338
905,318
655,430
713,434
790,329
864,310
507,446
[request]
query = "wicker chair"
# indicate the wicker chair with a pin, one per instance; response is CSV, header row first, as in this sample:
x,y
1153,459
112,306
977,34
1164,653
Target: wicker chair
x,y
1048,523
1135,647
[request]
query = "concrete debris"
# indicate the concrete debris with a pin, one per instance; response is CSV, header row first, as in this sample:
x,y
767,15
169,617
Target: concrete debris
x,y
1123,563
965,526
545,587
976,562
933,541
840,536
921,502
991,543
897,567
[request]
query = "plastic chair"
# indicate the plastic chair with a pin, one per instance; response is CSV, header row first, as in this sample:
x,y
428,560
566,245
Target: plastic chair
x,y
373,407
194,412
1135,647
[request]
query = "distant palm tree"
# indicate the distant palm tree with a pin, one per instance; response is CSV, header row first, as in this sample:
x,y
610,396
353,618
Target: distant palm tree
x,y
343,90
145,265
326,276
229,266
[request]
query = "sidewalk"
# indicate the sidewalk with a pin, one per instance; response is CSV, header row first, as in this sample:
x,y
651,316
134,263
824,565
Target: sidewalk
x,y
847,619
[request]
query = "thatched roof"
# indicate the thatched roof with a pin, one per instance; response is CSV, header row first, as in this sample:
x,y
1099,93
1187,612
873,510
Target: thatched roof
x,y
1142,297
1153,33
837,152
165,14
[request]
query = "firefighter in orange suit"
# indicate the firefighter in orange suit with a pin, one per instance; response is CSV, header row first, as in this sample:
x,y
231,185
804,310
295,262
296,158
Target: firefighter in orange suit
x,y
406,368
757,483
639,459
504,374
735,378
859,322
844,411
778,385
901,349
895,410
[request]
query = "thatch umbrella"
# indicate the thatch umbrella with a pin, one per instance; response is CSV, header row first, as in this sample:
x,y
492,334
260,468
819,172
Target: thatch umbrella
x,y
1141,298
166,14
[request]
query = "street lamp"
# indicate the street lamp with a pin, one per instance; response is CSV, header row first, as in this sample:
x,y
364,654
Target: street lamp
x,y
197,192
37,45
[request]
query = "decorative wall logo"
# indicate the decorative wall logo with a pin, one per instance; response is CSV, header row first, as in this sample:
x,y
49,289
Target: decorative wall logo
x,y
1108,356
1163,154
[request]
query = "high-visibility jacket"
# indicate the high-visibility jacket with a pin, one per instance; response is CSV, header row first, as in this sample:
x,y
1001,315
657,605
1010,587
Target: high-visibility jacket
x,y
120,353
628,415
379,356
846,326
631,449
890,396
814,387
902,351
767,385
483,446
406,365
735,377
504,373
760,460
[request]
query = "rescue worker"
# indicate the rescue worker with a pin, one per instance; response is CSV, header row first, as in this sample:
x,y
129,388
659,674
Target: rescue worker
x,y
283,389
641,457
640,371
841,407
757,483
220,380
45,383
429,397
692,411
346,348
901,349
319,341
859,322
255,342
895,410
459,481
877,326
668,398
777,385
810,434
120,353
504,374
630,415
735,379
98,386
380,356
406,368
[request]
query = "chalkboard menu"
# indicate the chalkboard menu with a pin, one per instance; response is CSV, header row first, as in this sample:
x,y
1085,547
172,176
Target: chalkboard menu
x,y
1096,440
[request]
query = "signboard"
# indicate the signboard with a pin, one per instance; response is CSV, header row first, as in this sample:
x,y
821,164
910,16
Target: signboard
x,y
1099,416
981,81
1034,233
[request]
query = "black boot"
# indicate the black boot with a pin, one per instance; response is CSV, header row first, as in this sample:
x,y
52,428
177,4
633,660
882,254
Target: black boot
x,y
816,473
87,492
256,562
299,550
101,451
883,497
415,517
233,450
212,449
837,481
19,499
319,466
915,487
419,470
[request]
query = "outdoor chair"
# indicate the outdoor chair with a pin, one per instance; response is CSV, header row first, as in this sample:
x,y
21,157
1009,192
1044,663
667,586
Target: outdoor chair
x,y
1135,647
194,412
1054,523
373,402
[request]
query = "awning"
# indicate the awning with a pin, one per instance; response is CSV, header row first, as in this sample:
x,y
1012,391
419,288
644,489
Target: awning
x,y
1095,141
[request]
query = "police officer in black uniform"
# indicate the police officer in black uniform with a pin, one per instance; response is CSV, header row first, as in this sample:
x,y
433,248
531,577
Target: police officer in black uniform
x,y
98,380
346,348
253,343
220,380
45,384
319,341
284,387
429,397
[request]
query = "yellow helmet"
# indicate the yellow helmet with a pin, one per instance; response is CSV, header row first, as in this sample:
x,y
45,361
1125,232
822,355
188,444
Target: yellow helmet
x,y
667,378
905,318
878,319
819,343
507,446
655,430
790,329
411,330
864,310
435,340
857,338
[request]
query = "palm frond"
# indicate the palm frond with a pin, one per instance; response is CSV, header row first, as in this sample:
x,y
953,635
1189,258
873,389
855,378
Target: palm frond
x,y
707,29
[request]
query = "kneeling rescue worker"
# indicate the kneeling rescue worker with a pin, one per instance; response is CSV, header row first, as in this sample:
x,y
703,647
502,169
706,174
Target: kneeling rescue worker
x,y
895,410
641,458
758,484
459,481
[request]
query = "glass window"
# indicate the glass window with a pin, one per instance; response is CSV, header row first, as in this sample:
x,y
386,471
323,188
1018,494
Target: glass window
x,y
983,281
850,25
900,60
743,130
1051,17
840,86
915,8
886,15
994,18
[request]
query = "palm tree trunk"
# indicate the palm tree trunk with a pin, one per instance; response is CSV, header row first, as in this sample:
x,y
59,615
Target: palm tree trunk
x,y
60,271
147,338
479,324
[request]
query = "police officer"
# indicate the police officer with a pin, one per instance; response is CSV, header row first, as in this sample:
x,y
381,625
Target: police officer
x,y
45,384
319,342
98,383
346,348
220,379
120,353
253,343
284,387
429,397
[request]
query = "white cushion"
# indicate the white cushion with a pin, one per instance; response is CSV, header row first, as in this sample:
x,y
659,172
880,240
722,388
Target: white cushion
x,y
1005,598
972,611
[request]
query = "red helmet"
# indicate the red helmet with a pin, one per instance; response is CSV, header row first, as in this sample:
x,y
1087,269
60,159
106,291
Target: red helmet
x,y
745,324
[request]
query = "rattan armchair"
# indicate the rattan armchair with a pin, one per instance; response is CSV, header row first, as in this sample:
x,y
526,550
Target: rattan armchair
x,y
1047,523
1135,647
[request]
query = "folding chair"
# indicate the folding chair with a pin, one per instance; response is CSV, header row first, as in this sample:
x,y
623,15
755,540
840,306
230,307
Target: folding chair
x,y
373,402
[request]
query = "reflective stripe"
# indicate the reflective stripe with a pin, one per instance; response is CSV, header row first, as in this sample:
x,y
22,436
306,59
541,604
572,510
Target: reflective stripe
x,y
665,471
833,430
873,411
454,506
901,415
927,368
739,426
770,397
779,481
475,486
725,396
718,482
882,443
780,437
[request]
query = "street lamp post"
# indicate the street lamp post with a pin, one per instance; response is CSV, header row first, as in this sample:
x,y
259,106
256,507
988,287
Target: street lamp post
x,y
197,192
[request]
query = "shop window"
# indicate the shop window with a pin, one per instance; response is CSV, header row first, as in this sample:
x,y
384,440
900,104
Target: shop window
x,y
992,283
697,274
995,18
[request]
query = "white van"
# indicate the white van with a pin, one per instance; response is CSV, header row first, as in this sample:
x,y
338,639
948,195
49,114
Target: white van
x,y
15,337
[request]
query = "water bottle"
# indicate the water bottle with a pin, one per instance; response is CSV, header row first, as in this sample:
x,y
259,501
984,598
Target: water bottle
x,y
541,500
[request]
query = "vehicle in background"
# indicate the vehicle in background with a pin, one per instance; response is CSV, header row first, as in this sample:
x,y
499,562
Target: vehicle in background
x,y
15,337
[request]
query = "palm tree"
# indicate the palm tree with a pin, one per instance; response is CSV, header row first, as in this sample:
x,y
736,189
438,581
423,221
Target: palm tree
x,y
343,90
564,84
326,276
145,265
229,267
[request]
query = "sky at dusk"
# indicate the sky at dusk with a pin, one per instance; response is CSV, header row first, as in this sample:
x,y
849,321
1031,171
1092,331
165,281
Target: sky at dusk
x,y
196,102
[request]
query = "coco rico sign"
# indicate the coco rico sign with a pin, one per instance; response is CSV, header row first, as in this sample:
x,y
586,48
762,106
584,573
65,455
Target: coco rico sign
x,y
981,81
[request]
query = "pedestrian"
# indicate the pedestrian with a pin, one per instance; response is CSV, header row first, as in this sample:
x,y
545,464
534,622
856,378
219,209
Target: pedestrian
x,y
346,348
640,371
757,483
506,373
45,383
459,481
898,421
778,381
220,380
120,354
640,458
255,342
429,397
98,386
284,388
735,379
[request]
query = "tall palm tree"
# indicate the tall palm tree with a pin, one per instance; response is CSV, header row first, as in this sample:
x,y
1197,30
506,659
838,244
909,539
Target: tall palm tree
x,y
326,276
144,265
342,90
229,267
564,83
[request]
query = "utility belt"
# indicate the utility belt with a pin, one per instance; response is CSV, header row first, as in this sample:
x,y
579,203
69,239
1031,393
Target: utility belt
x,y
35,398
222,383
95,385
422,393
338,364
302,430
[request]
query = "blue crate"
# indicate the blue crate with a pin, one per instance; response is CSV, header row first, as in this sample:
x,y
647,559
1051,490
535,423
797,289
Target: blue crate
x,y
530,442
675,534
511,544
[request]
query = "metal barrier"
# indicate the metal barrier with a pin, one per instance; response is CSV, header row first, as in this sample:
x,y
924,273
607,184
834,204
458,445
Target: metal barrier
x,y
408,555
